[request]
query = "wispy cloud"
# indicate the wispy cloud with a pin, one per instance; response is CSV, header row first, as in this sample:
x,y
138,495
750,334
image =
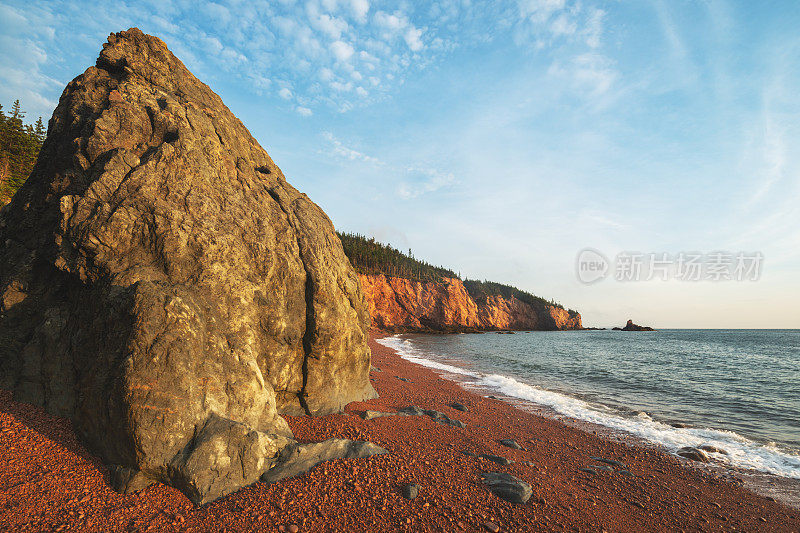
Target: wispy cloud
x,y
420,181
591,73
340,150
411,181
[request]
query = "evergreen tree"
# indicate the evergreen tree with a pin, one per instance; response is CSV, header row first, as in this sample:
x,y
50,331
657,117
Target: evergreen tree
x,y
19,148
16,111
40,131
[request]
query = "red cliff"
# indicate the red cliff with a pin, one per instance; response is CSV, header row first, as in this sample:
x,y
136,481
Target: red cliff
x,y
399,304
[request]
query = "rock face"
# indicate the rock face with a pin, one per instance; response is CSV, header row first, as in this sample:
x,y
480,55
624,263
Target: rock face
x,y
163,285
398,304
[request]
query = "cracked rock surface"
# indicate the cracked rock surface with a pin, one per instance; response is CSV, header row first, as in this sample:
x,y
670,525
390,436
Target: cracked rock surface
x,y
165,287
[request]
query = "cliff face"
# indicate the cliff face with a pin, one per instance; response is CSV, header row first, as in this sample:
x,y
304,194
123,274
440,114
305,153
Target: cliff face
x,y
398,304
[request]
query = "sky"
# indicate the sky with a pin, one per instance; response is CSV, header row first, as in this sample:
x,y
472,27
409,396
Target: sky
x,y
502,138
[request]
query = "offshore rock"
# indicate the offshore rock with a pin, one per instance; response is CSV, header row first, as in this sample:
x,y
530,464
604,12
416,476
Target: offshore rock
x,y
630,326
164,286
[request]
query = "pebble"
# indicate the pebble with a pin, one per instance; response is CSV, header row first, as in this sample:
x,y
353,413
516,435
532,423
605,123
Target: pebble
x,y
507,487
410,491
293,529
608,461
694,454
496,459
411,410
713,449
369,415
510,443
491,526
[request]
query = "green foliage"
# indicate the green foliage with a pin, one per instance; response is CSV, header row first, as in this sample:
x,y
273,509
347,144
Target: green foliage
x,y
481,290
371,257
19,147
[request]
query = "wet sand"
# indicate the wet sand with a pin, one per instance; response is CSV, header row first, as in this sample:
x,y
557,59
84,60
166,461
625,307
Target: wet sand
x,y
49,482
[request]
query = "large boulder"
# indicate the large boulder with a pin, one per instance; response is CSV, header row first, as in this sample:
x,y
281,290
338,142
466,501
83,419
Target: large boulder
x,y
163,285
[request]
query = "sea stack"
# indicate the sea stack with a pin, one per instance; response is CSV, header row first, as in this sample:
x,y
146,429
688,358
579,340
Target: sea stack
x,y
630,326
165,287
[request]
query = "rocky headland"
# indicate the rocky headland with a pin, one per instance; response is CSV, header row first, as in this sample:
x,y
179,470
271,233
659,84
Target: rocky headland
x,y
406,294
398,304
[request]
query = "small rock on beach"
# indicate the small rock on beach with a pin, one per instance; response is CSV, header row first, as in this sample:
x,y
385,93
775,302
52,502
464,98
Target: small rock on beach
x,y
510,443
695,454
410,491
507,487
496,459
712,449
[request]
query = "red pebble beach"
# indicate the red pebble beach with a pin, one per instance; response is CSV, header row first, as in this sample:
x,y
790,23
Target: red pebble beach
x,y
49,482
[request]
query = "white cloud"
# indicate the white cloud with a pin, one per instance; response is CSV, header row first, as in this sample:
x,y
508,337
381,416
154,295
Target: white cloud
x,y
590,73
325,74
341,50
360,8
330,5
303,111
391,22
285,93
331,26
540,10
413,39
594,28
341,87
361,91
220,14
345,152
422,181
562,25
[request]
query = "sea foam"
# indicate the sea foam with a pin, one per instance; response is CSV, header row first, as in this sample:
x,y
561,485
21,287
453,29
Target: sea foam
x,y
742,452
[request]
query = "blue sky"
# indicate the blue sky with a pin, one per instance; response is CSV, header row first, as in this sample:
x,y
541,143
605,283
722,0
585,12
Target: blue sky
x,y
501,138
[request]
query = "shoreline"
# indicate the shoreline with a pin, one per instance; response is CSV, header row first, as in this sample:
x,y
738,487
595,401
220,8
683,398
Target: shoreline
x,y
764,484
49,482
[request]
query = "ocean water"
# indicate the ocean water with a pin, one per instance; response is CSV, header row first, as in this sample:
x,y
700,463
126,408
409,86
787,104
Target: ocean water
x,y
736,389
